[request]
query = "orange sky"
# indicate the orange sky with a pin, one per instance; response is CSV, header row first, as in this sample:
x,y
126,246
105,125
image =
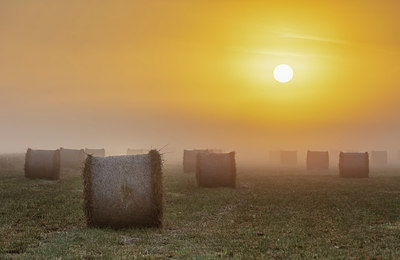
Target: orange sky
x,y
122,74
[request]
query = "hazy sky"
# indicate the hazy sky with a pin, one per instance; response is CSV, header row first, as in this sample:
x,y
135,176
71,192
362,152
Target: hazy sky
x,y
119,74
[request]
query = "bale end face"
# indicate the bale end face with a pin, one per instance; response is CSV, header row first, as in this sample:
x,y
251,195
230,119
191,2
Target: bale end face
x,y
123,191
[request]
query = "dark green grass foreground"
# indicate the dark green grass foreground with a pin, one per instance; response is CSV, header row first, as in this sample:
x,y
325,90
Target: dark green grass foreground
x,y
270,214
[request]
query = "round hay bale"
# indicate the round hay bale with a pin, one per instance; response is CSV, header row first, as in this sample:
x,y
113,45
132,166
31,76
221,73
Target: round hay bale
x,y
317,160
123,191
353,165
96,152
42,164
72,158
216,170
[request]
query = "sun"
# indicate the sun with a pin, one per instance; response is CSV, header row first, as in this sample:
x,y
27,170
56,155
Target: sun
x,y
283,73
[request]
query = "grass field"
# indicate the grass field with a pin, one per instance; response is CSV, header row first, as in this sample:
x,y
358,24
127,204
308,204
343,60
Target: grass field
x,y
271,214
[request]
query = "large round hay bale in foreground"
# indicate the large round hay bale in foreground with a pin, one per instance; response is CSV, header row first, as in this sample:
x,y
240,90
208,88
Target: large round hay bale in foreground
x,y
96,152
288,158
216,170
190,159
42,164
317,160
72,158
353,165
379,158
123,191
136,151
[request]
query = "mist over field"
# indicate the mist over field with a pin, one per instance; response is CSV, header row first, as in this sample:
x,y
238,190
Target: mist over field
x,y
144,75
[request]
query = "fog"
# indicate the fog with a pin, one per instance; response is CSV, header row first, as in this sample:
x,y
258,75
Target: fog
x,y
175,76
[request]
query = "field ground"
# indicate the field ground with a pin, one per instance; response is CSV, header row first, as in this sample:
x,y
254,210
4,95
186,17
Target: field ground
x,y
271,214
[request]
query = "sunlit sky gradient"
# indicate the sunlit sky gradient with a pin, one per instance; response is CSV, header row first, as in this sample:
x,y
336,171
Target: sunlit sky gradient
x,y
121,74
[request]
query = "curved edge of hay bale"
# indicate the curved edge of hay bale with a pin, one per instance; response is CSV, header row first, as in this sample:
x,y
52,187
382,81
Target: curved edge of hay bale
x,y
157,187
83,159
88,191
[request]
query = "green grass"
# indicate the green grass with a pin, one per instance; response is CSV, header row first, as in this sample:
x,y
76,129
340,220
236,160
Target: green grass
x,y
274,214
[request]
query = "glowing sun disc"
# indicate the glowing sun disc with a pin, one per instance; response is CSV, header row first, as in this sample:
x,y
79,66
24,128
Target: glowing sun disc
x,y
283,73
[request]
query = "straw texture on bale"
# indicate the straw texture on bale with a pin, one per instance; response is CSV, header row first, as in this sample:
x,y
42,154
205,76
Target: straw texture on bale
x,y
96,152
317,160
379,158
353,165
136,151
216,170
42,164
72,159
288,157
123,191
190,159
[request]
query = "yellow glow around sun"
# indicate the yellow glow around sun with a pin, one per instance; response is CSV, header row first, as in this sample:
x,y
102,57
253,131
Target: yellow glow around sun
x,y
283,73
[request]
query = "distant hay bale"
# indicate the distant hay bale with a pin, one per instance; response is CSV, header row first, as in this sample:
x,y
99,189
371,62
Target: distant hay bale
x,y
72,159
12,161
42,164
379,158
123,191
216,170
190,159
353,165
288,157
317,160
136,151
96,152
